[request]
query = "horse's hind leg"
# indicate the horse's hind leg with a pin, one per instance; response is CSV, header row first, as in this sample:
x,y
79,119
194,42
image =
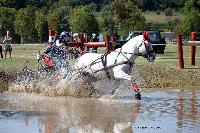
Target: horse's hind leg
x,y
115,91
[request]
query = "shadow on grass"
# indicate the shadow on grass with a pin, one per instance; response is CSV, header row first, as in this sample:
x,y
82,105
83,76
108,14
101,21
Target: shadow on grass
x,y
167,58
171,52
192,68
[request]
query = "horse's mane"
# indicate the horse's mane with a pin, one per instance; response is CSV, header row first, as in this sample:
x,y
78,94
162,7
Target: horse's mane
x,y
132,43
131,40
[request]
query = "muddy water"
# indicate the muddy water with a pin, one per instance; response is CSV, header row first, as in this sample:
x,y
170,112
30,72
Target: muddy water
x,y
159,111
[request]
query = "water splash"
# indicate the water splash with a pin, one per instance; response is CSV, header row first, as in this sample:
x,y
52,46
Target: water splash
x,y
69,83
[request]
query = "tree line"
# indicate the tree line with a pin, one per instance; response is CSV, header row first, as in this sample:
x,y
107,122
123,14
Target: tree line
x,y
29,20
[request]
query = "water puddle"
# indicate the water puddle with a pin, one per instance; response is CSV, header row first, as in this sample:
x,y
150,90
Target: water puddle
x,y
159,111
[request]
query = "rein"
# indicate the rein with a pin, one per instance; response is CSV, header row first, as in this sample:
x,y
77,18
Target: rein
x,y
103,59
124,53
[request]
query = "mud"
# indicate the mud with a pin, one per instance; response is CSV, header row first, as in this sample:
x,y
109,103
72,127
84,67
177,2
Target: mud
x,y
5,79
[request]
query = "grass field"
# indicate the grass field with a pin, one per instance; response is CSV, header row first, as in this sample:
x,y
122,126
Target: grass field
x,y
170,57
152,17
22,53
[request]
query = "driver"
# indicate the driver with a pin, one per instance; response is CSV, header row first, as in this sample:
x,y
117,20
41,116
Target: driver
x,y
58,50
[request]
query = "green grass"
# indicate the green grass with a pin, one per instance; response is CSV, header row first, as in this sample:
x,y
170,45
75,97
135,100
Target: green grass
x,y
152,17
170,57
22,53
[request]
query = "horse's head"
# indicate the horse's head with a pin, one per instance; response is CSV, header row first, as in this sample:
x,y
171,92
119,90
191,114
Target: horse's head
x,y
145,48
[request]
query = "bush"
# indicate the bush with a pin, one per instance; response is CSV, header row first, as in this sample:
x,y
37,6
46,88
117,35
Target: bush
x,y
168,12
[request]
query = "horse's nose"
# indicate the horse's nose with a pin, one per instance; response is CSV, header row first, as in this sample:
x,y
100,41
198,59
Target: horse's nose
x,y
152,57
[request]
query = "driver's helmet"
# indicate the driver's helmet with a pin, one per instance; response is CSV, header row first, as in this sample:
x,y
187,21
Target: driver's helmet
x,y
64,34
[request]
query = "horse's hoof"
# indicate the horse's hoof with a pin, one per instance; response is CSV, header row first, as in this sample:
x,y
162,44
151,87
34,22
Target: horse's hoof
x,y
138,96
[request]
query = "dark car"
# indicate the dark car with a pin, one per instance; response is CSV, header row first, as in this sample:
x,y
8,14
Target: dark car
x,y
155,37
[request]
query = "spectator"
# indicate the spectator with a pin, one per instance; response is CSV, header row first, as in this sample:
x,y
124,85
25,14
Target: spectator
x,y
8,47
76,37
38,56
1,52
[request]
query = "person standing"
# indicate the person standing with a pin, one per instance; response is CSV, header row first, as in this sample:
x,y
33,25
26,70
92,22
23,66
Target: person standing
x,y
8,47
1,52
38,56
95,39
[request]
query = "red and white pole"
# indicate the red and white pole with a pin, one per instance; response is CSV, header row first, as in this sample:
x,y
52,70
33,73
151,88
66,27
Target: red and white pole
x,y
193,49
81,36
51,37
113,39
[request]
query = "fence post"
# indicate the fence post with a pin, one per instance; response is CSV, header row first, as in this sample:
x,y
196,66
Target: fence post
x,y
193,49
107,40
113,39
82,44
87,37
180,52
51,37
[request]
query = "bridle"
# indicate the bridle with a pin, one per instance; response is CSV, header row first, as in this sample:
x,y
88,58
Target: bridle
x,y
147,46
150,54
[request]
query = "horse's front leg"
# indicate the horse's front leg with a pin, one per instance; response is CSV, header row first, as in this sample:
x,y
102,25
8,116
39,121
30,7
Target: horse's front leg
x,y
120,72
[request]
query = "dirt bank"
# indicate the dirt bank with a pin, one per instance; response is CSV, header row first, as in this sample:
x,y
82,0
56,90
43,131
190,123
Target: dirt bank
x,y
5,78
157,76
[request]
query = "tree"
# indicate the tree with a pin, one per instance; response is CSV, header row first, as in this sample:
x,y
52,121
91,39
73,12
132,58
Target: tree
x,y
41,25
58,19
64,16
83,21
7,17
128,16
107,23
54,20
13,3
25,24
191,21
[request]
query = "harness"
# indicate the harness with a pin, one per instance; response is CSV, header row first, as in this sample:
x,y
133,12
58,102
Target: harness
x,y
103,60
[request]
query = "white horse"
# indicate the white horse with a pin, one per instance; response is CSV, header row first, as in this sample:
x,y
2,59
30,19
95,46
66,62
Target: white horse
x,y
116,64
